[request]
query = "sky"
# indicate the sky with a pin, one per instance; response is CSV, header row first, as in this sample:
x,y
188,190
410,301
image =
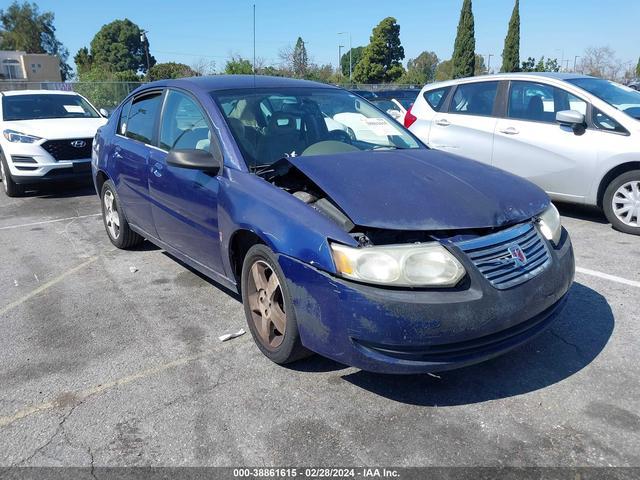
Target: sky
x,y
189,31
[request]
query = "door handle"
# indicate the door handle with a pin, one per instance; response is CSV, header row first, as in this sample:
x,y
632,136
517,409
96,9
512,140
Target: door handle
x,y
157,170
443,122
117,153
509,131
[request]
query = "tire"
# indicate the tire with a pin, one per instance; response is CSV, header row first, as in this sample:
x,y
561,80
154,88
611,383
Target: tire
x,y
115,223
11,188
264,316
624,191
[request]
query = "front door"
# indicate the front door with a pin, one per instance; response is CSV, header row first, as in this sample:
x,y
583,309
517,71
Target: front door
x,y
185,201
529,142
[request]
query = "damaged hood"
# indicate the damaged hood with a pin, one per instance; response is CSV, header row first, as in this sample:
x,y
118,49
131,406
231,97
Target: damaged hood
x,y
422,190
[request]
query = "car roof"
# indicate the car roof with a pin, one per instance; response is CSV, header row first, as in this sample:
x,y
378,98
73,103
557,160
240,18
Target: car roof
x,y
560,76
232,82
10,93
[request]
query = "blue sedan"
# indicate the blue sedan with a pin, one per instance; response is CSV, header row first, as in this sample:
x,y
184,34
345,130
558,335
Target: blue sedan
x,y
344,235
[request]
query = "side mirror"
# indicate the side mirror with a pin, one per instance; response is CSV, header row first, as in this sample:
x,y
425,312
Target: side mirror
x,y
104,112
195,160
570,118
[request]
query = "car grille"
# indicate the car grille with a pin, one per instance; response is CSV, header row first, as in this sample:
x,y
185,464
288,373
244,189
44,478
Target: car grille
x,y
492,255
63,150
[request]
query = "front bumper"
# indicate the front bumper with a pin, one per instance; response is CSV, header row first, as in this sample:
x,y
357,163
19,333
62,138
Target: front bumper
x,y
31,164
417,331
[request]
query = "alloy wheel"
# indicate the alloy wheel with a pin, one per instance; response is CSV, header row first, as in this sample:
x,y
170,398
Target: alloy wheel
x,y
266,304
626,203
111,215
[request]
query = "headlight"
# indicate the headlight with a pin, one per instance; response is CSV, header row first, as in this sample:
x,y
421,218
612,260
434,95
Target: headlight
x,y
550,224
17,137
418,265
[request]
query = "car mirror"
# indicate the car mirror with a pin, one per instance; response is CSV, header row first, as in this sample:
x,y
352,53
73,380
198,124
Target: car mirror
x,y
195,159
570,118
104,112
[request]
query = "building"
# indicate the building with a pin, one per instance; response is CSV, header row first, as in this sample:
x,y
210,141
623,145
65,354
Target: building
x,y
29,67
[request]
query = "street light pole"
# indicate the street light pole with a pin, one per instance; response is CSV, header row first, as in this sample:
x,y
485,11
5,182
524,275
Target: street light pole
x,y
350,55
145,45
575,62
489,62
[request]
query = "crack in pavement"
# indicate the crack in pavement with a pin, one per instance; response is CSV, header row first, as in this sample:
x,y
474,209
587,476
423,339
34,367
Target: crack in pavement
x,y
567,342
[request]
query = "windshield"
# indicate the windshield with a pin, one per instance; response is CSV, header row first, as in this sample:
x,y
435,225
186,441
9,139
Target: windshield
x,y
40,106
623,98
270,124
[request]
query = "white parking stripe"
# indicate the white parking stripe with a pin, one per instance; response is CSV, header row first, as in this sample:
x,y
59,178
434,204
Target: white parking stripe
x,y
606,276
49,221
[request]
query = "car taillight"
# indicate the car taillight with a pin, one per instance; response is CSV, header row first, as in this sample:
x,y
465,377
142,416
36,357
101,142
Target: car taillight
x,y
409,118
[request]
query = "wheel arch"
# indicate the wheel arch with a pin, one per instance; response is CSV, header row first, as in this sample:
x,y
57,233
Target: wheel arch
x,y
239,244
611,175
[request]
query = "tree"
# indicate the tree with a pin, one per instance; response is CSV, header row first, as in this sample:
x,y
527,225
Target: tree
x,y
237,65
203,66
444,71
161,71
381,58
356,56
421,70
542,65
511,52
119,46
464,58
638,69
299,59
601,62
24,28
480,68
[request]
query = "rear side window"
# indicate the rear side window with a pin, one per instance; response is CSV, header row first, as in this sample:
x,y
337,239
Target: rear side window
x,y
142,117
122,121
538,102
184,125
436,98
474,98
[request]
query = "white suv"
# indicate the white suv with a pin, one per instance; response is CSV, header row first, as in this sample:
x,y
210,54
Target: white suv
x,y
45,135
577,137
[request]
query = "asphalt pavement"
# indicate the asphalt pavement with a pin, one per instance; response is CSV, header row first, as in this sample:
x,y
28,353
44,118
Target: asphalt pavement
x,y
112,358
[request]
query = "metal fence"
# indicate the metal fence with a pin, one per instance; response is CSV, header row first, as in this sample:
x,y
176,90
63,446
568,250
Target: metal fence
x,y
109,94
101,94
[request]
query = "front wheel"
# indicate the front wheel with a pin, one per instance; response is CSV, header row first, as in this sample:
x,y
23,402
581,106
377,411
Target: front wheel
x,y
268,307
115,223
11,188
621,202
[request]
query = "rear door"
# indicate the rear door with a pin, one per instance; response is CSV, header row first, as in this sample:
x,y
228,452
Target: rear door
x,y
185,201
135,135
467,127
529,142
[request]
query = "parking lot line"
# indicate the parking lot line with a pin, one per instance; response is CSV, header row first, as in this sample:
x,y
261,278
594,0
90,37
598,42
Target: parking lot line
x,y
606,276
45,286
84,394
9,227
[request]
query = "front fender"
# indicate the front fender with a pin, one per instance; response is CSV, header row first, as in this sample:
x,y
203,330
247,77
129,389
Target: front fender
x,y
287,225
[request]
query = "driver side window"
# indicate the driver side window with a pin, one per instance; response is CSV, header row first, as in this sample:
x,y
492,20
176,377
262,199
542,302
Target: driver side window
x,y
184,125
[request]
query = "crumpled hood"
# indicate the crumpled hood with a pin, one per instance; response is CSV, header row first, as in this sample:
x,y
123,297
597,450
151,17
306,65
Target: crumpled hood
x,y
57,128
422,190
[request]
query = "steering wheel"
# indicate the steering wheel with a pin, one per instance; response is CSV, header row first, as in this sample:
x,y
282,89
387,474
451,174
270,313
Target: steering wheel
x,y
339,136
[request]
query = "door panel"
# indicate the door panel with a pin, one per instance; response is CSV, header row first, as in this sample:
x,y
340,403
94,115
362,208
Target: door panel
x,y
530,144
467,128
185,201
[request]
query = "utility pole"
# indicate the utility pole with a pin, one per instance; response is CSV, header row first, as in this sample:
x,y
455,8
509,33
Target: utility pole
x,y
145,45
575,62
254,40
489,62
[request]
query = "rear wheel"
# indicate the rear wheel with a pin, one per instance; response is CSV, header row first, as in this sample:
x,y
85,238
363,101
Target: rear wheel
x,y
115,224
11,188
621,202
268,307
